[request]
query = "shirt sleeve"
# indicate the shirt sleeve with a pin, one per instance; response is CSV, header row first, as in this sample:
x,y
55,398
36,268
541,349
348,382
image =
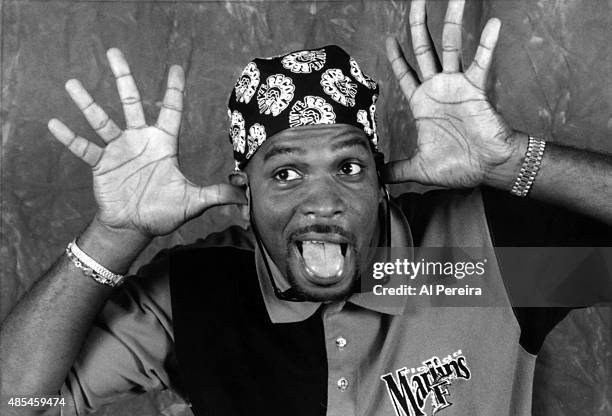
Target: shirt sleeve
x,y
130,348
514,221
524,222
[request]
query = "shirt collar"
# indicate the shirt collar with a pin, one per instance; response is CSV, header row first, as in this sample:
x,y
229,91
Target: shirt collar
x,y
281,311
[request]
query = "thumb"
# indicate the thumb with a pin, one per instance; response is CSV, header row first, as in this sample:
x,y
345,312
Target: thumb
x,y
199,199
408,170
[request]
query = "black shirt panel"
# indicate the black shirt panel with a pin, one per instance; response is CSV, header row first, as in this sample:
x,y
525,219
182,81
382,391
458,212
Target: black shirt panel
x,y
232,358
514,221
525,222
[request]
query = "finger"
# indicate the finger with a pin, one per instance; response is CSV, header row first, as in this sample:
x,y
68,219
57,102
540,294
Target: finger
x,y
451,36
169,119
401,69
201,198
95,115
128,93
404,171
479,69
87,151
420,40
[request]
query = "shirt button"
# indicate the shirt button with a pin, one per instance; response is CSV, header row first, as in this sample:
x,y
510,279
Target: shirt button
x,y
341,342
342,384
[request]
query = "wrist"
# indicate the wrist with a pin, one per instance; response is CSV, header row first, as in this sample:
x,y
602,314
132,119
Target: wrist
x,y
503,176
113,248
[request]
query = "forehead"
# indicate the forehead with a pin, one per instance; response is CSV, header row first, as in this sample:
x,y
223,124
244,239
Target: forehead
x,y
313,139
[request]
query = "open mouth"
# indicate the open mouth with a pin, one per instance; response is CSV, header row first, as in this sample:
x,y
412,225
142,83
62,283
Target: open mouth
x,y
324,262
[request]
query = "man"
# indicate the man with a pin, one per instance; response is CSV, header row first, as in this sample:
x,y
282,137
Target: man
x,y
273,322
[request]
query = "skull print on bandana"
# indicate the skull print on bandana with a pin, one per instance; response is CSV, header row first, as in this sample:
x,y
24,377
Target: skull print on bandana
x,y
339,87
313,110
237,131
304,61
247,83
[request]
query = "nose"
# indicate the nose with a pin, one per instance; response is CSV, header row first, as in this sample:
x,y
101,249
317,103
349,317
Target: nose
x,y
323,199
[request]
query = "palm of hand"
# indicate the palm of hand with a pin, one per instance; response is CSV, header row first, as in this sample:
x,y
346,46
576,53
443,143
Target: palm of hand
x,y
461,138
460,135
137,183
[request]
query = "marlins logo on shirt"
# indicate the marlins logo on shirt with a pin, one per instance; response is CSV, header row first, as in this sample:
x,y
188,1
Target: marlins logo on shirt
x,y
411,387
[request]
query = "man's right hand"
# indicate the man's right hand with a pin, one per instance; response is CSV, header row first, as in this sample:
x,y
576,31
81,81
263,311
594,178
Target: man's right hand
x,y
136,178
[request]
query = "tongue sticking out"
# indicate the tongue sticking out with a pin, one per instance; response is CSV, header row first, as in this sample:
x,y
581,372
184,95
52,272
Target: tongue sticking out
x,y
323,259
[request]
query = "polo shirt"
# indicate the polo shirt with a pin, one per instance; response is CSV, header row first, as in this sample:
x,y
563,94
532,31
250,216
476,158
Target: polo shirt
x,y
359,356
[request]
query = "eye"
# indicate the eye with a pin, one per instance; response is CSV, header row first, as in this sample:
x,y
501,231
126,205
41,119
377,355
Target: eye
x,y
351,169
286,175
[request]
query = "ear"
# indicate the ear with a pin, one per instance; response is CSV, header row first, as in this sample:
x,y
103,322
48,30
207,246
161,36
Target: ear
x,y
238,178
379,163
241,180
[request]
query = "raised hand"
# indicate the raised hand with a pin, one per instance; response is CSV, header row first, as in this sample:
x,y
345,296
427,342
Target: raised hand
x,y
461,138
136,178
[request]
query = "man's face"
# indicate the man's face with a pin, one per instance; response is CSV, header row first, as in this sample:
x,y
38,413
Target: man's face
x,y
315,199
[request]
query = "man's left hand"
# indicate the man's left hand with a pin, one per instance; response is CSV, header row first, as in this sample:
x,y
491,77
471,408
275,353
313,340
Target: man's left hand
x,y
461,137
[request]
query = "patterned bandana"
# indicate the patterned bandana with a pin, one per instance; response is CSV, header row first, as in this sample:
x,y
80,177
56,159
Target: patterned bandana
x,y
318,86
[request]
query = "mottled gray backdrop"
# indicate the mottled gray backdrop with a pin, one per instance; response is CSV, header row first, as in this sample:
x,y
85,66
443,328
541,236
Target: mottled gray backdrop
x,y
551,78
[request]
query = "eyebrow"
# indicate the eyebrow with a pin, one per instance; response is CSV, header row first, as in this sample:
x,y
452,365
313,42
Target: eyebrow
x,y
352,142
282,150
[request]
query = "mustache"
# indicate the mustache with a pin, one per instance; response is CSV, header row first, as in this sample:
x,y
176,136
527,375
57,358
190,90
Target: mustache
x,y
324,229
